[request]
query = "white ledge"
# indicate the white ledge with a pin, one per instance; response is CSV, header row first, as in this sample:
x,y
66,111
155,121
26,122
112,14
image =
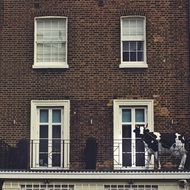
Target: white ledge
x,y
50,66
93,175
133,65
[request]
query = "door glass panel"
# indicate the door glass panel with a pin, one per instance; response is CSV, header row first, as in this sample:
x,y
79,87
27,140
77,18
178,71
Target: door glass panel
x,y
56,131
126,145
126,115
140,151
44,131
56,116
43,116
43,159
56,159
139,115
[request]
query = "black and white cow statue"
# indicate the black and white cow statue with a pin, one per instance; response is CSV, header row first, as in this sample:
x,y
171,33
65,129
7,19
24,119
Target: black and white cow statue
x,y
160,143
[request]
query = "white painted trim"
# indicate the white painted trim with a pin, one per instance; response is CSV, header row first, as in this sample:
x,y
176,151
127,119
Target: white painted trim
x,y
95,175
66,135
44,65
117,132
135,64
50,66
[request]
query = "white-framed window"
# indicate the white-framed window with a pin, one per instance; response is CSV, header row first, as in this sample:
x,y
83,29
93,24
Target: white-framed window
x,y
43,186
50,42
50,128
130,187
129,151
133,42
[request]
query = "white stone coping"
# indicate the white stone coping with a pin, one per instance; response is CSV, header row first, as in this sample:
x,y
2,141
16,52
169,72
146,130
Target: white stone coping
x,y
95,175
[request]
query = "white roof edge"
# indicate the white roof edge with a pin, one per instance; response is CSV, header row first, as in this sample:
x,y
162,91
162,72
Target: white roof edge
x,y
94,175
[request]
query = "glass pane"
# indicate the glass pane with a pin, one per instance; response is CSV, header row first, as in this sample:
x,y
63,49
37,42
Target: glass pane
x,y
140,27
43,131
133,46
43,116
126,46
55,24
47,24
126,56
40,24
39,52
126,131
47,35
43,159
47,52
55,35
43,146
62,52
56,116
127,159
126,145
126,115
56,160
39,35
62,24
54,52
139,115
56,131
140,45
56,146
140,56
133,56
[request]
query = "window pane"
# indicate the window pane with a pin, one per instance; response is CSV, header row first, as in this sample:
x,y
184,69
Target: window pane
x,y
140,45
56,146
140,56
133,46
54,52
43,131
47,52
55,24
126,131
39,52
56,131
127,159
43,116
47,24
126,56
56,116
126,115
43,160
139,115
140,27
40,24
56,160
126,46
133,56
43,146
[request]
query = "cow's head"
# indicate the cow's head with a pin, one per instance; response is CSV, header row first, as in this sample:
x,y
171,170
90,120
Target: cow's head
x,y
140,130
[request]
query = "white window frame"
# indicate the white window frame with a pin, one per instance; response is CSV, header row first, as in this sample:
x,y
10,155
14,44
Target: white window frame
x,y
34,132
49,65
117,121
130,187
132,64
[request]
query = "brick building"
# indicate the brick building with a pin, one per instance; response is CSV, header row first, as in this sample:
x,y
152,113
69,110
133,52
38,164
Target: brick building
x,y
77,77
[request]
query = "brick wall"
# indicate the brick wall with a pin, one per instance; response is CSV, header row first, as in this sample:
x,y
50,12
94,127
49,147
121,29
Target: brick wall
x,y
94,79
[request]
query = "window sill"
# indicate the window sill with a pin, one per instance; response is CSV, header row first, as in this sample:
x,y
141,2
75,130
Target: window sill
x,y
133,65
50,66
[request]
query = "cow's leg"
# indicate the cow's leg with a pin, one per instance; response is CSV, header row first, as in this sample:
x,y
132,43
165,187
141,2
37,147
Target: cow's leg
x,y
156,156
182,163
148,160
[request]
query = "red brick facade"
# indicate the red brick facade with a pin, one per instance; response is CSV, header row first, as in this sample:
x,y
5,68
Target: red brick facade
x,y
94,78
